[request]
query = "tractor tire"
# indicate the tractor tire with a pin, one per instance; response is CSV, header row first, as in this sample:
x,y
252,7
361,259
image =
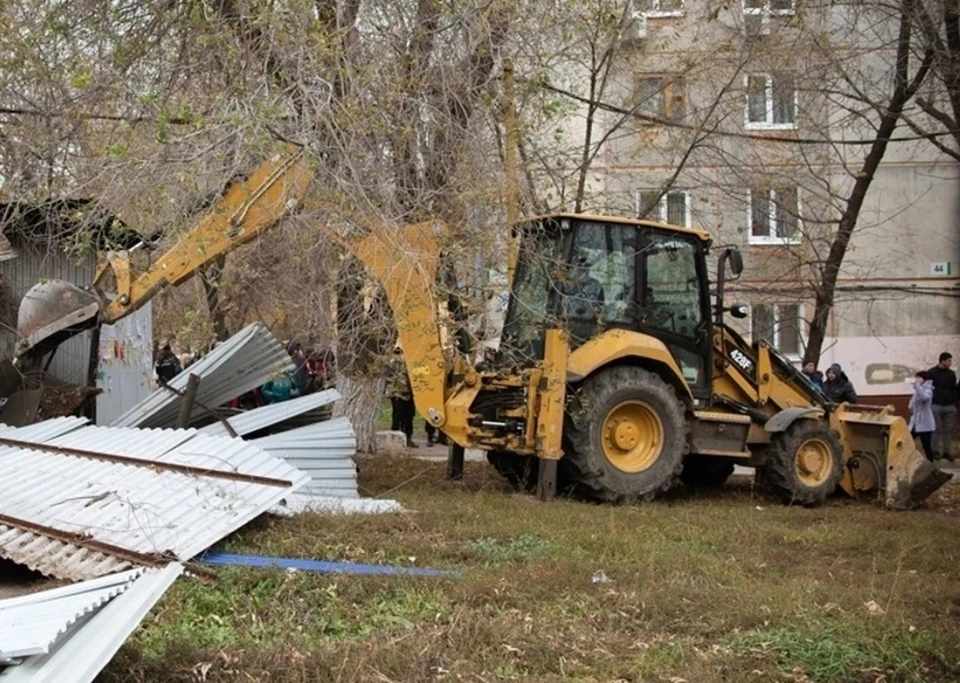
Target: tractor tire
x,y
625,435
705,472
520,471
804,463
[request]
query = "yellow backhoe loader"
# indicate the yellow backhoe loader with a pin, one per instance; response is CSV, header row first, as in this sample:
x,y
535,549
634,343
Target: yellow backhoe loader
x,y
616,374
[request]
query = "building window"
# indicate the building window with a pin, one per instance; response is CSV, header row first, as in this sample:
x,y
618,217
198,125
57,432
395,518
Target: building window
x,y
757,13
673,207
774,215
771,101
780,325
659,97
661,8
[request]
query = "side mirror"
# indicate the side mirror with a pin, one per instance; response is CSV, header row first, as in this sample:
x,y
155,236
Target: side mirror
x,y
740,311
736,261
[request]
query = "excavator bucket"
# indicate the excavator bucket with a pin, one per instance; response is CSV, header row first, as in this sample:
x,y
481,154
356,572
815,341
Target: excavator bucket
x,y
883,459
50,311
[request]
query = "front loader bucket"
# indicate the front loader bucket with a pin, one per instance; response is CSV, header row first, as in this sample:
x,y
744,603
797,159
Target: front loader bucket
x,y
882,457
51,312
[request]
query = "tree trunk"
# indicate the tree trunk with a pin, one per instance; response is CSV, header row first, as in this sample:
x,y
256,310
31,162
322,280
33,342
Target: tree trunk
x,y
360,402
212,276
904,89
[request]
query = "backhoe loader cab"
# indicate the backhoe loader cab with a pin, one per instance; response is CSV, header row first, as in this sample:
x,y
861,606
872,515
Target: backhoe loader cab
x,y
590,274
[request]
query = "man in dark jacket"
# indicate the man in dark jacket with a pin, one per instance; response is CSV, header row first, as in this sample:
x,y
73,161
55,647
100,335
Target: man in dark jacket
x,y
401,398
838,387
295,349
944,405
168,365
814,375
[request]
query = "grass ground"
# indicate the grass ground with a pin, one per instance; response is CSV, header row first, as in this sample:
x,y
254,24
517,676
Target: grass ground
x,y
723,587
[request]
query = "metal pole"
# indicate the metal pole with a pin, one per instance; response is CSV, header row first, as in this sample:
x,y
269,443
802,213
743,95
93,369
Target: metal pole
x,y
186,406
455,462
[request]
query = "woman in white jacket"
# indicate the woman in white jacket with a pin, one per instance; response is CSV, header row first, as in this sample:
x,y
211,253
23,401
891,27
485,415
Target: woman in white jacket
x,y
922,424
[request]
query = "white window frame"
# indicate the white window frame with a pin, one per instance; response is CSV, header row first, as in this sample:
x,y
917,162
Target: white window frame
x,y
656,12
768,100
803,329
773,239
659,213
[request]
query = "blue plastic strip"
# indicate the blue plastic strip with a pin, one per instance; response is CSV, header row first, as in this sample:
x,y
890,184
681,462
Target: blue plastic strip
x,y
234,559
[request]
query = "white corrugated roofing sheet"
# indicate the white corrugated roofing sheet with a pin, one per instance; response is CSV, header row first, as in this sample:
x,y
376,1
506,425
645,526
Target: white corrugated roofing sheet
x,y
243,362
254,420
324,451
147,494
31,624
79,655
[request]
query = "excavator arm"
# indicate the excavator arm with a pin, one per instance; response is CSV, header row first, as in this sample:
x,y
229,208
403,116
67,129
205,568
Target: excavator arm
x,y
403,258
55,310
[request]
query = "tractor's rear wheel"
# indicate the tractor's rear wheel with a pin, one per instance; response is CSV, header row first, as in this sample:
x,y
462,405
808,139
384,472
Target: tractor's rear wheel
x,y
519,470
804,463
624,436
706,472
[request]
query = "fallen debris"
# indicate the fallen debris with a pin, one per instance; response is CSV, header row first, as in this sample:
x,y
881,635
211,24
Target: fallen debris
x,y
31,624
232,559
272,415
77,502
324,451
84,649
243,362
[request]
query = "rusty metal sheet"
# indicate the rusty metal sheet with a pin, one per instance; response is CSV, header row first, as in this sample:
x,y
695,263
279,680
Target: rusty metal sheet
x,y
66,515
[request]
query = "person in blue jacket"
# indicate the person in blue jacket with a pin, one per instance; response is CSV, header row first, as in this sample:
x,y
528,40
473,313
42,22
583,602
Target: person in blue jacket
x,y
922,423
280,388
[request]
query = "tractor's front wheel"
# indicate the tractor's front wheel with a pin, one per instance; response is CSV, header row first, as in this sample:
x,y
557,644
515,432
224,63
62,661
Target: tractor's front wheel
x,y
624,436
804,463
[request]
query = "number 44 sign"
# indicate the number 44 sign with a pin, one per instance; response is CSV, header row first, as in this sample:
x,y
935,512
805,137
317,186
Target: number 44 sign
x,y
941,269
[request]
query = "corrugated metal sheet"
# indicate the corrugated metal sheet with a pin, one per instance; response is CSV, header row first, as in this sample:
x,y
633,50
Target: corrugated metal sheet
x,y
126,365
44,496
243,362
80,655
260,418
41,431
324,451
31,624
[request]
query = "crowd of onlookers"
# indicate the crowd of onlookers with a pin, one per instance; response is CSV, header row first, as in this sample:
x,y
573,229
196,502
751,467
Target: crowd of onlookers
x,y
933,406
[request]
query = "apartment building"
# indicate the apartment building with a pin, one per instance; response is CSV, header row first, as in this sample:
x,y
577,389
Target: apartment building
x,y
753,123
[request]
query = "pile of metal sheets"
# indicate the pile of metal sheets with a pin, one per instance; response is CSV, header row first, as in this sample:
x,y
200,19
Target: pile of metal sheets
x,y
31,624
87,635
91,501
244,362
273,415
323,451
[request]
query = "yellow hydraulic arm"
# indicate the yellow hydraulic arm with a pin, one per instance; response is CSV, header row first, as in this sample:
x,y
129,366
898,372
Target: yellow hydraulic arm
x,y
403,258
245,211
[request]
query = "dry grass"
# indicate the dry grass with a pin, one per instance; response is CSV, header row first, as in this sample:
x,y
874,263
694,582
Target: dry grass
x,y
723,587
